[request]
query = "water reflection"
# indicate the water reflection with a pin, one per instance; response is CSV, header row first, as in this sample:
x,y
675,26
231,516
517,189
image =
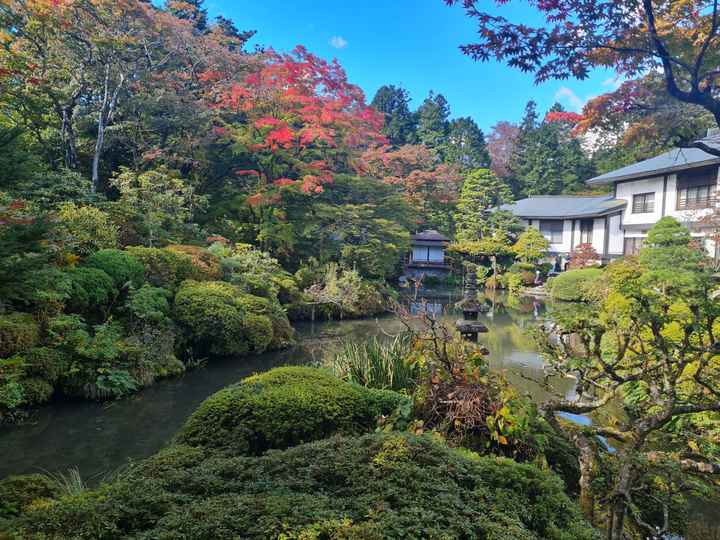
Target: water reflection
x,y
98,438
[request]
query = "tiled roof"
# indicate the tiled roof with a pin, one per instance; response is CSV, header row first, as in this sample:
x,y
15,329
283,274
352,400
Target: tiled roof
x,y
429,236
564,207
676,159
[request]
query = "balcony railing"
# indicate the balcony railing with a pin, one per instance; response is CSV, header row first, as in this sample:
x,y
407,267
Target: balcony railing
x,y
427,264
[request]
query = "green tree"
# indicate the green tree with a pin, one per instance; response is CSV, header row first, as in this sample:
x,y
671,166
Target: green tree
x,y
433,126
466,145
399,126
548,159
531,246
648,346
157,202
482,192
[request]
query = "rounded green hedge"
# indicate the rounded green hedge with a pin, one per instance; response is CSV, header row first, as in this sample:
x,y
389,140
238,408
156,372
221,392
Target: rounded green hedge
x,y
575,285
91,289
163,267
379,486
18,331
120,265
220,319
285,407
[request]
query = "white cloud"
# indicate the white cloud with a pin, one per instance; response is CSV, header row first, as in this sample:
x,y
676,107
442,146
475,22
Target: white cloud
x,y
338,42
567,97
613,83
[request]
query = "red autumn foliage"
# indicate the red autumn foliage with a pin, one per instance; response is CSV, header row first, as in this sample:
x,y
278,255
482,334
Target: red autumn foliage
x,y
582,256
501,146
284,182
300,107
416,170
563,116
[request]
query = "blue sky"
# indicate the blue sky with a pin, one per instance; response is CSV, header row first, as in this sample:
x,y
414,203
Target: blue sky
x,y
411,43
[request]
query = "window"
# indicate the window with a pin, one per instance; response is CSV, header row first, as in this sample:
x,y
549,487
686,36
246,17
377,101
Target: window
x,y
633,246
552,229
696,188
586,230
643,203
696,197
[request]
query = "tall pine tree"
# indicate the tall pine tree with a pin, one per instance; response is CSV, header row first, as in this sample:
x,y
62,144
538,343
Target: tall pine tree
x,y
466,145
433,125
548,160
393,102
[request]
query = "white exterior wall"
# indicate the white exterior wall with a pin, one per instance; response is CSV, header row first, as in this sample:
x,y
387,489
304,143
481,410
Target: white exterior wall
x,y
626,190
616,243
436,254
562,247
598,235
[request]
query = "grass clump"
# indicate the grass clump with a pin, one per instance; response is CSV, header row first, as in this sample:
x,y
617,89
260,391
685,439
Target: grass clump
x,y
378,364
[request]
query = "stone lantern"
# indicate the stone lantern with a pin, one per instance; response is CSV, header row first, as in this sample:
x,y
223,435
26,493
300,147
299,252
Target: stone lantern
x,y
469,326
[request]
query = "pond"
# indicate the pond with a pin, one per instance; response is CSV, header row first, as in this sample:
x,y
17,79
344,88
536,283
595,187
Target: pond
x,y
98,438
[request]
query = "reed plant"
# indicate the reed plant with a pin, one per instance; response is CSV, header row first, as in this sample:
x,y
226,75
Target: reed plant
x,y
377,363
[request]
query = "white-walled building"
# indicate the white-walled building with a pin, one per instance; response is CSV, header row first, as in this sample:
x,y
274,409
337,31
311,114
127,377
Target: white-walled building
x,y
681,183
428,255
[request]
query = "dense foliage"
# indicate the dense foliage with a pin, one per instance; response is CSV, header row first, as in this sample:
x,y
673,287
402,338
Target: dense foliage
x,y
377,486
645,358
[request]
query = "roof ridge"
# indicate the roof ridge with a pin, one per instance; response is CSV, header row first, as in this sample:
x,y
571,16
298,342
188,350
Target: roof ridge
x,y
568,196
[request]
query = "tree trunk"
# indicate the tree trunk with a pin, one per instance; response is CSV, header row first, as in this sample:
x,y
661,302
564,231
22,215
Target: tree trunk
x,y
104,117
618,508
67,135
586,462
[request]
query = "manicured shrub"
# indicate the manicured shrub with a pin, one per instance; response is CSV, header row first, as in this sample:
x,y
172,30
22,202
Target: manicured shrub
x,y
257,273
121,266
149,304
206,266
380,486
285,407
220,319
575,285
163,267
18,331
19,492
91,290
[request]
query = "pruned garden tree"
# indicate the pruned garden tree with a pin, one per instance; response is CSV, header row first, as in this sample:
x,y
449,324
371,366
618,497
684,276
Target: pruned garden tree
x,y
482,193
646,360
679,38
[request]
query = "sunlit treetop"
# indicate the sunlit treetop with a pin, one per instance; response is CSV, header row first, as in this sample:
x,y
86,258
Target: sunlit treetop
x,y
304,106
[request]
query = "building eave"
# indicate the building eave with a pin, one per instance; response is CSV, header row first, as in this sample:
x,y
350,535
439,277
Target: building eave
x,y
605,180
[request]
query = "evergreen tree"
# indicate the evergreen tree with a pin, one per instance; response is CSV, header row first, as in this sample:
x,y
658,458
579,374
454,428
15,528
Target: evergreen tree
x,y
548,159
393,102
432,117
466,145
482,192
530,118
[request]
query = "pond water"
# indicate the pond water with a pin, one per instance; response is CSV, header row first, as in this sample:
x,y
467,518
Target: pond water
x,y
98,438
